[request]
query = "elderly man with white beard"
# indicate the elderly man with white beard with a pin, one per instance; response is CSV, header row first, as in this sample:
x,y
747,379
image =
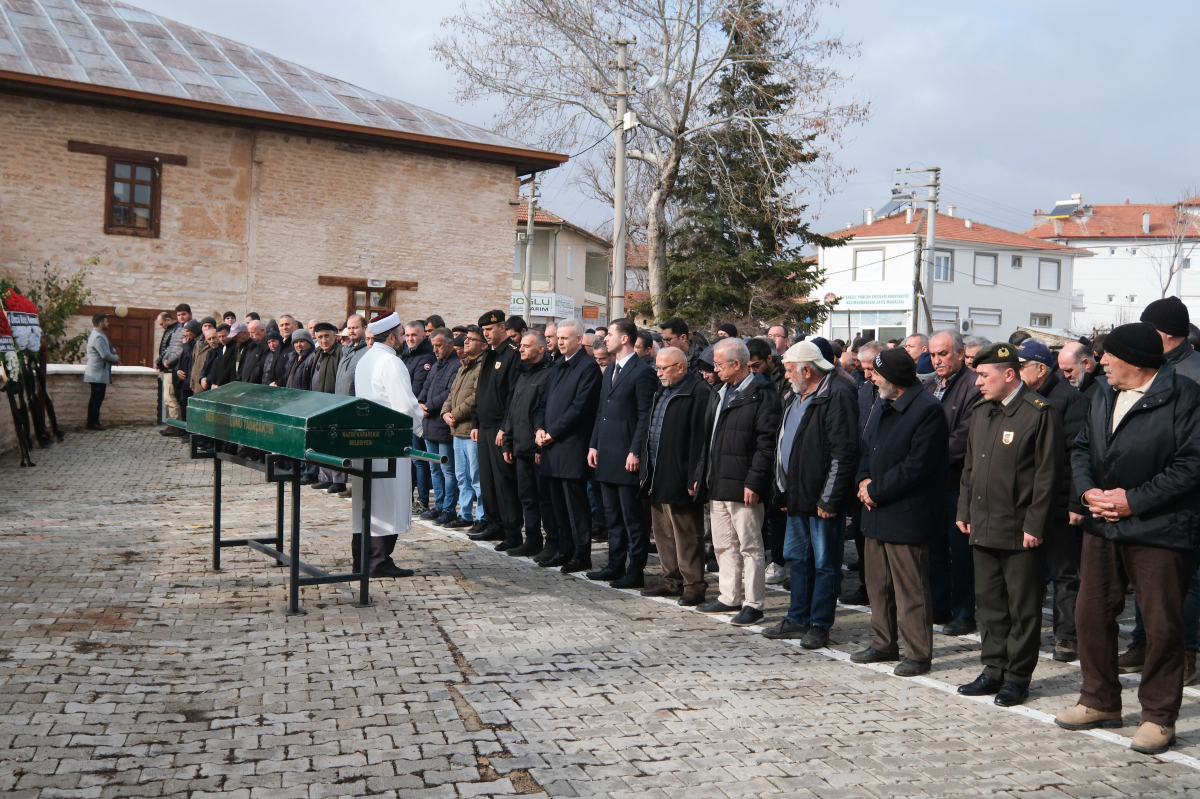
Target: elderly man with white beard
x,y
815,465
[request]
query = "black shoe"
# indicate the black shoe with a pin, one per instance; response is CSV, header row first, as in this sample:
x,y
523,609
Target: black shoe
x,y
982,685
716,606
747,617
785,630
1011,694
307,480
815,638
336,489
576,566
528,549
852,566
873,655
492,532
509,544
911,668
321,486
858,598
959,626
561,559
96,426
630,580
478,526
607,573
431,514
711,567
392,571
546,555
459,523
445,518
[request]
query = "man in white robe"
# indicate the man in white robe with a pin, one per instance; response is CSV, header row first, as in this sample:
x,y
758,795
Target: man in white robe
x,y
382,377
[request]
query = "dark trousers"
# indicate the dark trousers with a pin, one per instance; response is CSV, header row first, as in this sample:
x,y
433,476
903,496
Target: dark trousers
x,y
679,534
1009,584
574,517
897,579
1062,556
1160,580
1191,617
381,550
538,508
93,412
498,483
775,522
628,536
952,567
422,479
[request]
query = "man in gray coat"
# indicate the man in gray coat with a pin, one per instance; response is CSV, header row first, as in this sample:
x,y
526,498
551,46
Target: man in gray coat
x,y
101,358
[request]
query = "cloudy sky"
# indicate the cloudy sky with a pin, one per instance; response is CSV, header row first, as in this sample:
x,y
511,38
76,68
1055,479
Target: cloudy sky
x,y
1020,103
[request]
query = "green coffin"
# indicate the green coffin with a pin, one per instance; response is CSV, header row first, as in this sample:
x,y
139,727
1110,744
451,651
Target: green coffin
x,y
292,422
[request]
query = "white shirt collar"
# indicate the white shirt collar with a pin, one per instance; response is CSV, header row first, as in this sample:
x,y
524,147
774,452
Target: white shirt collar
x,y
621,363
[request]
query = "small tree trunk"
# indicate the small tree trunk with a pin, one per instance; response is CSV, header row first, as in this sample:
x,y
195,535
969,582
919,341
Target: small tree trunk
x,y
656,228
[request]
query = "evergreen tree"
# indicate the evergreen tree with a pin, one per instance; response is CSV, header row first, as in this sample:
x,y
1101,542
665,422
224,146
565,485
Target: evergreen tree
x,y
736,252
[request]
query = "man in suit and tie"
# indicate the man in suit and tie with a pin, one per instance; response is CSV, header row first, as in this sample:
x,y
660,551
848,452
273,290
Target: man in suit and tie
x,y
622,421
563,426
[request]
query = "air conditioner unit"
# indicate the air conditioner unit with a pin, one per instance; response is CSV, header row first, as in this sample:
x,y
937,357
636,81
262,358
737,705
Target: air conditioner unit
x,y
967,326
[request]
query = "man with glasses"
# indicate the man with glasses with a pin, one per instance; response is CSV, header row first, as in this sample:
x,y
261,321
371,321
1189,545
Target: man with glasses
x,y
675,334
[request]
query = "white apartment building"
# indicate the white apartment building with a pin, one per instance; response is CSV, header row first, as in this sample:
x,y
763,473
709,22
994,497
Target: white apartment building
x,y
571,268
985,281
1142,253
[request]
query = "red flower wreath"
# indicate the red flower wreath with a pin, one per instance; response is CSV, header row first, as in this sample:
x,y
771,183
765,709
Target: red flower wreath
x,y
5,328
15,303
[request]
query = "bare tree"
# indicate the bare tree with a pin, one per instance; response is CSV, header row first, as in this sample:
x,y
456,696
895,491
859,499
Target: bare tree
x,y
1175,245
551,61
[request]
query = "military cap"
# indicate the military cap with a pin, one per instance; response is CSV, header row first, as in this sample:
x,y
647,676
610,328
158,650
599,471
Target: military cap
x,y
492,318
1001,352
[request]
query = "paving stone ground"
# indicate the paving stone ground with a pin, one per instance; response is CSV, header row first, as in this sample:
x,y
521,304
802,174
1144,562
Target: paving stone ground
x,y
129,668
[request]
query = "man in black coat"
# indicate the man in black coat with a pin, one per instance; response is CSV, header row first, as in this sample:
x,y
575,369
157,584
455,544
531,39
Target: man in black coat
x,y
419,360
437,433
739,471
1136,464
622,421
497,478
1064,538
815,464
221,366
868,392
902,486
287,354
951,562
564,429
671,461
521,449
250,357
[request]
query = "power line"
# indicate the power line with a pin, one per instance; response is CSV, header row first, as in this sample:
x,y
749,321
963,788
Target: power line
x,y
603,137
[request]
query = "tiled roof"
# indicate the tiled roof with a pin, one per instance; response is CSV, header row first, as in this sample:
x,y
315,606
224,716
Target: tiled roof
x,y
100,47
636,296
1110,222
542,216
952,228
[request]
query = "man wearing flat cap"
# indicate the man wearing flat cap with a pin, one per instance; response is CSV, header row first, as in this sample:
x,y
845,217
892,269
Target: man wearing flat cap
x,y
902,485
498,375
1007,494
1136,464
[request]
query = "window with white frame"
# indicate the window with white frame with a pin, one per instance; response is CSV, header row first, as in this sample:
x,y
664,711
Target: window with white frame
x,y
1040,320
1017,263
943,267
868,265
944,316
1049,275
985,270
985,316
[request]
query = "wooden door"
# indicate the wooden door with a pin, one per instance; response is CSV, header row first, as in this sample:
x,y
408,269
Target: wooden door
x,y
131,339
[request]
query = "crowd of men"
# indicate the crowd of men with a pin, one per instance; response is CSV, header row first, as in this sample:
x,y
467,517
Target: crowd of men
x,y
970,474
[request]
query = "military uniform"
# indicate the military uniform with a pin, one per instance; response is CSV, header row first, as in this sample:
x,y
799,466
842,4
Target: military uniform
x,y
1010,483
498,479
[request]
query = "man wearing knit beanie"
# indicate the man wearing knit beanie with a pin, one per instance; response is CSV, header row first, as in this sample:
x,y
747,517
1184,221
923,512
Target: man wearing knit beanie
x,y
1134,464
1171,319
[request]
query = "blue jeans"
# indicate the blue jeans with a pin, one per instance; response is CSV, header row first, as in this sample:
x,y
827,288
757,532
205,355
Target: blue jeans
x,y
421,471
812,548
952,567
466,473
1191,617
445,486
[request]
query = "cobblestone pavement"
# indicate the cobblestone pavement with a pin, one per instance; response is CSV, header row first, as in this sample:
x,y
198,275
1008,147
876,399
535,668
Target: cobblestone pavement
x,y
128,668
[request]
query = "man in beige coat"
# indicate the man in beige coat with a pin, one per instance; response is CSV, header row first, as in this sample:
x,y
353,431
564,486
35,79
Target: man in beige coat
x,y
457,412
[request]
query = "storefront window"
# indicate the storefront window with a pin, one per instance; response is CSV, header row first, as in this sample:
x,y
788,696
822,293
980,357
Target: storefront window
x,y
846,325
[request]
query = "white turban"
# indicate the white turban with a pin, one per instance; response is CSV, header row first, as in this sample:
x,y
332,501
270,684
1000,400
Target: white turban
x,y
389,322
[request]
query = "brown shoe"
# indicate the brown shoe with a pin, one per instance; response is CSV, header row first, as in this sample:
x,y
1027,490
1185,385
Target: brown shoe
x,y
1133,658
1081,717
1152,739
693,595
661,589
1189,669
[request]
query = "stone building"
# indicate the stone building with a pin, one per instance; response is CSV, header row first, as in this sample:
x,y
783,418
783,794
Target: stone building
x,y
191,168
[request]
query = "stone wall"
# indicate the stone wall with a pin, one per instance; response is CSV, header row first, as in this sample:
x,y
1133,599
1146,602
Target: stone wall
x,y
254,217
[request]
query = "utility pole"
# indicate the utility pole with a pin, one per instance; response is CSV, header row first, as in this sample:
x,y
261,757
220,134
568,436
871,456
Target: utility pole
x,y
920,292
527,277
619,231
